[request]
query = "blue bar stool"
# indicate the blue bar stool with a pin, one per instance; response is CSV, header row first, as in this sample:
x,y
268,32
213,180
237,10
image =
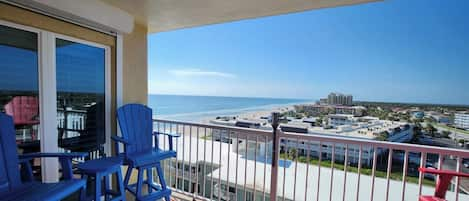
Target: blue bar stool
x,y
101,170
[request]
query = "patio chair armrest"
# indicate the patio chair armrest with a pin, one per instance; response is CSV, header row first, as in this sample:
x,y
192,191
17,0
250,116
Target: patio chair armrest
x,y
444,180
443,172
30,156
65,160
167,134
24,160
120,139
170,137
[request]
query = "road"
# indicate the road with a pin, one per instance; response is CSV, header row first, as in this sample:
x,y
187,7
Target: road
x,y
445,142
454,134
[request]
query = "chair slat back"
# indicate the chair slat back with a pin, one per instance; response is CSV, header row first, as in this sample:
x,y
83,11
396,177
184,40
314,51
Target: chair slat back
x,y
136,124
9,171
94,123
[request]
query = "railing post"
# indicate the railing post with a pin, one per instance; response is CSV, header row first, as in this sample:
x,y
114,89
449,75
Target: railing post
x,y
275,156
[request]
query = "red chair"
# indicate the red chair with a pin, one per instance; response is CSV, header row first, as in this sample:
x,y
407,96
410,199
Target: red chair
x,y
24,110
442,184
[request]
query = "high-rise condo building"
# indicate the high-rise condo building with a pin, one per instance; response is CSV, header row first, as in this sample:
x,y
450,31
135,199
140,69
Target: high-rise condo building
x,y
339,99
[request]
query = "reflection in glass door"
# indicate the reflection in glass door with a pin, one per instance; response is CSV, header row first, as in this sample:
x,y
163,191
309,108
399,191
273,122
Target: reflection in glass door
x,y
19,86
81,86
57,89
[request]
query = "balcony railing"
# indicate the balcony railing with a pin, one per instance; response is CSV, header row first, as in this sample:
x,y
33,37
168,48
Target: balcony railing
x,y
233,163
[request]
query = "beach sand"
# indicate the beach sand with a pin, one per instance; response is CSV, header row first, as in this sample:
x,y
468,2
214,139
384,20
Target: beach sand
x,y
253,115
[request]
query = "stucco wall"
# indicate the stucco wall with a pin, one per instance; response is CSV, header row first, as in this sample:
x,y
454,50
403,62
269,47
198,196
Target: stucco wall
x,y
135,67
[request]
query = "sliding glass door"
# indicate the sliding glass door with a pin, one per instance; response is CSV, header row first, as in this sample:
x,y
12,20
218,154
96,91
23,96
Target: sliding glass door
x,y
57,89
19,86
81,96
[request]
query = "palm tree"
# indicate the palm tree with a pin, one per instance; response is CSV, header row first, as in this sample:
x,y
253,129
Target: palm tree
x,y
445,134
383,136
430,129
292,154
417,132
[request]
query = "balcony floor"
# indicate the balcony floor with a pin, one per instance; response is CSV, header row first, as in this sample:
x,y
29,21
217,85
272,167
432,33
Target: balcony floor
x,y
175,196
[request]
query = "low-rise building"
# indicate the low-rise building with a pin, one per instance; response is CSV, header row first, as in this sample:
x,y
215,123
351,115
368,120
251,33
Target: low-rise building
x,y
368,128
323,101
418,115
357,111
295,128
461,120
438,117
336,120
316,110
341,125
224,135
312,121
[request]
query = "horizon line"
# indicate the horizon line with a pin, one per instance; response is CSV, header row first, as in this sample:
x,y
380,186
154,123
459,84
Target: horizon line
x,y
317,99
223,96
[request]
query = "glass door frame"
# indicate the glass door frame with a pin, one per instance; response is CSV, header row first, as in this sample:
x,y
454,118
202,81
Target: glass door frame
x,y
48,132
107,81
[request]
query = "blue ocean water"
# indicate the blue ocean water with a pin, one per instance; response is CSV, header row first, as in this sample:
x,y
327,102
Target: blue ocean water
x,y
194,108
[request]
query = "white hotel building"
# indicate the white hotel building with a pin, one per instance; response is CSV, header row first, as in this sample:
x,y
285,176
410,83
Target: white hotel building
x,y
461,120
351,127
341,125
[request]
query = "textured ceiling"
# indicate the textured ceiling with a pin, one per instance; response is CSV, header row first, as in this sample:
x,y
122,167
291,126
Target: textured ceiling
x,y
165,15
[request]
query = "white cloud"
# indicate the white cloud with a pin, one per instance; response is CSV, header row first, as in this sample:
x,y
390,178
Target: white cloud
x,y
200,73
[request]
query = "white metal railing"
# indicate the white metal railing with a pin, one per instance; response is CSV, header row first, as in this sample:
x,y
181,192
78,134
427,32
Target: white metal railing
x,y
225,195
249,164
217,155
71,119
390,188
72,123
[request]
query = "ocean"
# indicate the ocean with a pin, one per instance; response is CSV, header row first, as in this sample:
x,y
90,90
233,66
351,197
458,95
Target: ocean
x,y
195,108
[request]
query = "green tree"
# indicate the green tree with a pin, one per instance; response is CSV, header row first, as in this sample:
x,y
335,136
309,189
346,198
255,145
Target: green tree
x,y
292,153
445,134
383,136
417,133
418,125
430,129
319,121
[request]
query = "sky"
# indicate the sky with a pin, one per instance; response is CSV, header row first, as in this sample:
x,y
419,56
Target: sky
x,y
79,67
393,51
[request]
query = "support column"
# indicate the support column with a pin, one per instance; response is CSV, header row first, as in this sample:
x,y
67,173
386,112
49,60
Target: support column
x,y
275,156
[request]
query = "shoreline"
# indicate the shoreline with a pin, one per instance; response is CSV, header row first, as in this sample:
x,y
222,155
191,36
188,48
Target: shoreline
x,y
251,114
242,113
257,114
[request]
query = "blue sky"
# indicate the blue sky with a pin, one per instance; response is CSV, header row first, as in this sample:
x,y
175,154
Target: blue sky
x,y
400,50
79,68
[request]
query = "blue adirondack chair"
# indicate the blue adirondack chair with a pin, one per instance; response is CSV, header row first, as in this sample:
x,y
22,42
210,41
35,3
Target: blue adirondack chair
x,y
12,187
140,151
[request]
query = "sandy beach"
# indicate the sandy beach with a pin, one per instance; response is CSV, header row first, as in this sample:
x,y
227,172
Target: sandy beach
x,y
251,115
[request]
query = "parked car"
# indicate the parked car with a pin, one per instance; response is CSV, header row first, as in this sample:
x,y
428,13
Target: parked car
x,y
465,162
